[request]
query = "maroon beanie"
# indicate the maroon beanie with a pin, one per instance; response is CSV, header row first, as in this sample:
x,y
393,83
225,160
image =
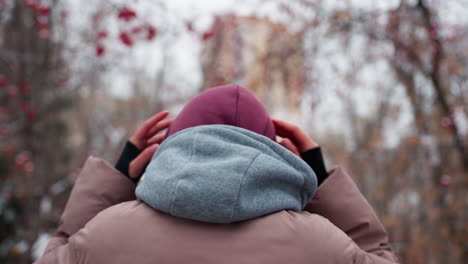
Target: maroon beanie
x,y
227,105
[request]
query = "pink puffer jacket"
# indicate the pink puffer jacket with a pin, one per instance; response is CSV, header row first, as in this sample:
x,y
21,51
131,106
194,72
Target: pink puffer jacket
x,y
103,223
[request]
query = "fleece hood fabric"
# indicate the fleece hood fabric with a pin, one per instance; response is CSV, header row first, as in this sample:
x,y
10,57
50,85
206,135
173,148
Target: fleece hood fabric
x,y
224,174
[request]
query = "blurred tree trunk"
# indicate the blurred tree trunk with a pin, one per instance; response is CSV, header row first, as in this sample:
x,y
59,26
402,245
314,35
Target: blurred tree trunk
x,y
438,82
36,98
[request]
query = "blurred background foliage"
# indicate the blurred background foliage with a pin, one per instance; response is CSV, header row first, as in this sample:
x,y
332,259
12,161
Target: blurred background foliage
x,y
383,87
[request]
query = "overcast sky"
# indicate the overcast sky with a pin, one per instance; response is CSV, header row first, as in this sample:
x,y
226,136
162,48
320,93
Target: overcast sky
x,y
184,48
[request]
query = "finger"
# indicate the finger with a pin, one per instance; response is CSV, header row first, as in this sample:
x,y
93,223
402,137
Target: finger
x,y
285,129
138,165
290,146
158,127
158,138
138,139
298,137
148,124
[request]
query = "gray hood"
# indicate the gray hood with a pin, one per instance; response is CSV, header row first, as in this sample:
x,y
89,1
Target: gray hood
x,y
224,174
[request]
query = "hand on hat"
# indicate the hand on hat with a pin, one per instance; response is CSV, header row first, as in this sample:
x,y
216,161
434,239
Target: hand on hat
x,y
294,138
147,138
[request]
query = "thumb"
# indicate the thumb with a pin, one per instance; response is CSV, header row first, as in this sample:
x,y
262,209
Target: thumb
x,y
138,165
290,146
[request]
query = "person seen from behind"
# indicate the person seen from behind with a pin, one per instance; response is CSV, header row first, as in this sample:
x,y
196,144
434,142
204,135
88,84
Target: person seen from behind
x,y
217,187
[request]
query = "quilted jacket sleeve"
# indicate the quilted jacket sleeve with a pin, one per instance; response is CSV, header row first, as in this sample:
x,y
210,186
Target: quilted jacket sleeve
x,y
98,187
339,200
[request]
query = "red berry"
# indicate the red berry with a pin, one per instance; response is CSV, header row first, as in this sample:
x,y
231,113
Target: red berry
x,y
207,35
126,39
126,14
151,32
32,115
3,82
100,50
43,10
22,158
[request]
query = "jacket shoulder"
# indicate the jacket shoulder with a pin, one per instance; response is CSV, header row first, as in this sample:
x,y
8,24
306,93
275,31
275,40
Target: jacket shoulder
x,y
317,231
92,242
